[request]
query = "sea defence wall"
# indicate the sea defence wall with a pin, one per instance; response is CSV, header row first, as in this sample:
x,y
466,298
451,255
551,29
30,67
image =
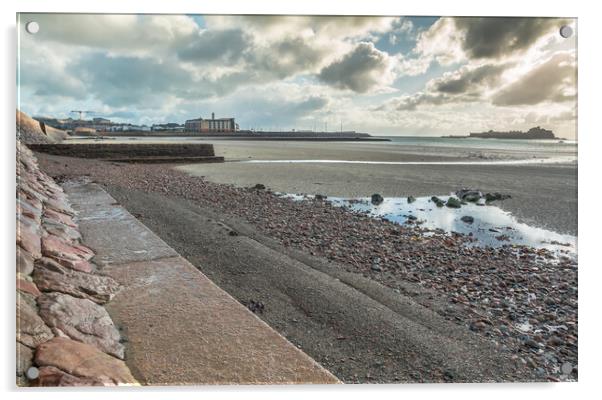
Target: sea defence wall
x,y
64,337
141,152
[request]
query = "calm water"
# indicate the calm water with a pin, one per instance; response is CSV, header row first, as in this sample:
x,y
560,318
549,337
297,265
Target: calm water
x,y
568,147
491,225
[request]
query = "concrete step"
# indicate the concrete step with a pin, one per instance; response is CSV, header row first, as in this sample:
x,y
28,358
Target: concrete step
x,y
181,328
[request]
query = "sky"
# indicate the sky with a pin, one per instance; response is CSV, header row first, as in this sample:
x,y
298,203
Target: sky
x,y
380,75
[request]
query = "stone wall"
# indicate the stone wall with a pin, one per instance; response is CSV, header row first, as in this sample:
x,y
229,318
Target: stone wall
x,y
65,337
126,150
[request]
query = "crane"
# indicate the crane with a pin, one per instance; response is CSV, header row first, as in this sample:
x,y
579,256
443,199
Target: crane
x,y
82,112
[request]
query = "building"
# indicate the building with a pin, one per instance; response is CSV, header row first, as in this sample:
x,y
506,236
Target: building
x,y
211,125
169,127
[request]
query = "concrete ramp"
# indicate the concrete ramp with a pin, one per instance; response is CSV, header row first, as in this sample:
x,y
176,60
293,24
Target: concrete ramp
x,y
181,328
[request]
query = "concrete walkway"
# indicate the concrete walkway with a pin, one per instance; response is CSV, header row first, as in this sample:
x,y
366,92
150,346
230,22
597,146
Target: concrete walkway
x,y
180,327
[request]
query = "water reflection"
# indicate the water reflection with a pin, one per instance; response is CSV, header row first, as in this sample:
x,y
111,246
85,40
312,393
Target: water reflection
x,y
488,224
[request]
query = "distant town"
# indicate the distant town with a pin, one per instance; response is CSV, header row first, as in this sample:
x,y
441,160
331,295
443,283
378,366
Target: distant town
x,y
99,124
101,127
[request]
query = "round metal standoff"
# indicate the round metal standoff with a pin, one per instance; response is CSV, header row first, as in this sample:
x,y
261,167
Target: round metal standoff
x,y
32,373
566,31
32,27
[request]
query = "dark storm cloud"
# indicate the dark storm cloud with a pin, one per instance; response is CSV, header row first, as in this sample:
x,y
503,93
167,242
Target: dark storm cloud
x,y
553,81
467,84
360,70
223,46
495,37
469,80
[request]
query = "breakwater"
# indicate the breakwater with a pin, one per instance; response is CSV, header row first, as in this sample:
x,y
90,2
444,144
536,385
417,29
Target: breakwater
x,y
134,152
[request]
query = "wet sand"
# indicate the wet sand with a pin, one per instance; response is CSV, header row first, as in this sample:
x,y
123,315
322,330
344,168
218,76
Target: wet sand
x,y
543,195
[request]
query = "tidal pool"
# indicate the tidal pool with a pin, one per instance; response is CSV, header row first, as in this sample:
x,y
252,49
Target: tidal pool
x,y
488,224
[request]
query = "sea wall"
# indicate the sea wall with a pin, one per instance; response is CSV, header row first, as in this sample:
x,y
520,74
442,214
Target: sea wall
x,y
126,150
64,335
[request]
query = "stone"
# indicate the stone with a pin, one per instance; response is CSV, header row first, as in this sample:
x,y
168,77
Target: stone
x,y
259,186
24,360
320,197
28,287
411,199
24,261
496,196
59,206
28,237
438,202
84,361
453,202
31,329
54,377
29,210
80,319
469,195
70,255
467,219
63,231
376,199
50,276
54,216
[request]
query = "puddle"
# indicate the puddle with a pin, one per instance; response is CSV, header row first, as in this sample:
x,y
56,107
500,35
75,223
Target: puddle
x,y
491,226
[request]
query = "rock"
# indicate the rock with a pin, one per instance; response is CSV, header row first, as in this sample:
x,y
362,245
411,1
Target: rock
x,y
84,361
453,202
26,209
51,216
28,237
70,255
411,199
376,267
489,197
438,202
50,276
63,231
320,197
469,195
259,186
80,319
31,329
27,287
255,306
24,360
376,199
54,377
24,261
467,219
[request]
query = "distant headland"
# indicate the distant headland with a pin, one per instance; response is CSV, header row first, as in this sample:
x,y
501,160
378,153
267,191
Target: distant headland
x,y
533,133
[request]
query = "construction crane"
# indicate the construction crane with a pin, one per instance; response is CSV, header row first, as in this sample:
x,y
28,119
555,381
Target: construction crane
x,y
81,113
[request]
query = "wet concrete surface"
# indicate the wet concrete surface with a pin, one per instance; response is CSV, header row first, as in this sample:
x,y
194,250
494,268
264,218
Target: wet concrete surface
x,y
179,327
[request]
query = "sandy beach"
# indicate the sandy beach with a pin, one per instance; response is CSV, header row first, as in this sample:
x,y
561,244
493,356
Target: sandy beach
x,y
543,195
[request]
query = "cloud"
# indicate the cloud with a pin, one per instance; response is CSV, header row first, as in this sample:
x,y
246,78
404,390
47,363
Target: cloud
x,y
361,70
225,46
120,81
141,34
553,81
466,84
457,39
469,81
495,37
